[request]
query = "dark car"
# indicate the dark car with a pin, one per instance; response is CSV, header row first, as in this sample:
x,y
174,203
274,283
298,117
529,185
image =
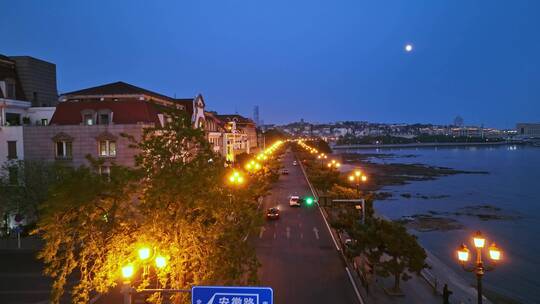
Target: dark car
x,y
272,213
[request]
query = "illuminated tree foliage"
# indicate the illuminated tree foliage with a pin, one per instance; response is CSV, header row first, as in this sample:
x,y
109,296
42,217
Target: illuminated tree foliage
x,y
176,202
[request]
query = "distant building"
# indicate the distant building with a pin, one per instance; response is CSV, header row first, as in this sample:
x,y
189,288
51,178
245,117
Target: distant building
x,y
242,125
256,115
458,121
528,130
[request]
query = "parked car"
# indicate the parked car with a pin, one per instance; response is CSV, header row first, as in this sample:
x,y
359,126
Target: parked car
x,y
272,213
294,201
285,171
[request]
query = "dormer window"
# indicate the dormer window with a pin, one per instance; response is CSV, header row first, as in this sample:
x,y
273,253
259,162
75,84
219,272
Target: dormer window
x,y
88,119
103,119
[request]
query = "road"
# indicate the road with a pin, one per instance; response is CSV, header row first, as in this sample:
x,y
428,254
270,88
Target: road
x,y
299,259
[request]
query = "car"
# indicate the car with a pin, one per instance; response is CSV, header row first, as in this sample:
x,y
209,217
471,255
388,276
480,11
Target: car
x,y
285,171
294,201
294,163
272,213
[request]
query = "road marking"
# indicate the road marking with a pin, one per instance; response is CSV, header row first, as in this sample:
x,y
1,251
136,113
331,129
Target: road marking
x,y
261,233
318,206
301,235
300,225
354,286
288,232
274,235
316,232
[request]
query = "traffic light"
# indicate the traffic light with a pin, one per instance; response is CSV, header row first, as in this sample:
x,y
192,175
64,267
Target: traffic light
x,y
309,201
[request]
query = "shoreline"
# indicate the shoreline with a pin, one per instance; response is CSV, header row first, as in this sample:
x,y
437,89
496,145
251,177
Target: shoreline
x,y
440,272
417,145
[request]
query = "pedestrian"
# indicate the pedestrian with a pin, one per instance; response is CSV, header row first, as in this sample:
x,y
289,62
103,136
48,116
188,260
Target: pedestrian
x,y
446,294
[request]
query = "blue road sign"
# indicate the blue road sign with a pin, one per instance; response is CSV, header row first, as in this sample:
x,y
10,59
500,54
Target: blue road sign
x,y
231,295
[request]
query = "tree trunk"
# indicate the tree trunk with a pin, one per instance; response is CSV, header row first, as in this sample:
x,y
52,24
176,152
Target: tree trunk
x,y
396,282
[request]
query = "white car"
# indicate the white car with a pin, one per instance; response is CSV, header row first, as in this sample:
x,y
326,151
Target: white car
x,y
294,201
294,163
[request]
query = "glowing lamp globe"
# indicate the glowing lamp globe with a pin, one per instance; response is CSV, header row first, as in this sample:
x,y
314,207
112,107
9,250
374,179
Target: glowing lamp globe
x,y
479,240
494,252
463,253
127,271
144,253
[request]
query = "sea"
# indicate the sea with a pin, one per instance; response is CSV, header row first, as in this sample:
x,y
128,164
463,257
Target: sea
x,y
512,185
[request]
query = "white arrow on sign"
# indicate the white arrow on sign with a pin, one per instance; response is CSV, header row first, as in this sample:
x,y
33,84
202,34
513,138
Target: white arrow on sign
x,y
288,232
261,233
316,232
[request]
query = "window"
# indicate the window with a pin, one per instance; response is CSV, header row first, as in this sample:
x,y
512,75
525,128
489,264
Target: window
x,y
64,150
107,148
44,121
10,88
103,119
12,149
88,119
13,119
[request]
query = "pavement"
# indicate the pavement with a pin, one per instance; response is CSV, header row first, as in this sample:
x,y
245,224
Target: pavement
x,y
299,258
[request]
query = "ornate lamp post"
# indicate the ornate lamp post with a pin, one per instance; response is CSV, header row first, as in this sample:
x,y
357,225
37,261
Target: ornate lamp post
x,y
128,271
322,157
235,179
334,164
479,268
357,177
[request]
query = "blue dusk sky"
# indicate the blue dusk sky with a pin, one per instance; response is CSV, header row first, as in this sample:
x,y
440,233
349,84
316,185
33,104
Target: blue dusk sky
x,y
318,60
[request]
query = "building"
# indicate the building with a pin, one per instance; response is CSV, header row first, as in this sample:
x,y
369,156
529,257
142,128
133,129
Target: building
x,y
528,130
38,79
242,125
92,122
15,112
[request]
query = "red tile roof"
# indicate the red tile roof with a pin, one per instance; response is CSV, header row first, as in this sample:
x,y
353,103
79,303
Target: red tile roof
x,y
124,112
116,88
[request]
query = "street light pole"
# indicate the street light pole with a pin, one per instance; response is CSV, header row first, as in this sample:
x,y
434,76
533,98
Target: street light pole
x,y
479,268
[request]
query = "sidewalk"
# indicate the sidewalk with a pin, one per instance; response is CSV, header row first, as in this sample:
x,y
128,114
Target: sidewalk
x,y
30,243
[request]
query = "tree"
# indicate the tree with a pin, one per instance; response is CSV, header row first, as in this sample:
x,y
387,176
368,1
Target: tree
x,y
175,201
391,249
27,187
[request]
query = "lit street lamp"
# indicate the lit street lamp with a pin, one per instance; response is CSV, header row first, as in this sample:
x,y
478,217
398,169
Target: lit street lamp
x,y
479,268
235,179
357,177
144,255
334,164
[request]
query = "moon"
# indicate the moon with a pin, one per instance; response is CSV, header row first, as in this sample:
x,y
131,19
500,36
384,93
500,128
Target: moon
x,y
408,48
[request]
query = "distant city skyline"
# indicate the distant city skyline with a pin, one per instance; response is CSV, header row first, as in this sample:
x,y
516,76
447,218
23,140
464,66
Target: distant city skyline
x,y
410,62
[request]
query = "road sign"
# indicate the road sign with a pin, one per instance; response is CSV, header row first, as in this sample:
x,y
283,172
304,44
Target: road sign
x,y
231,295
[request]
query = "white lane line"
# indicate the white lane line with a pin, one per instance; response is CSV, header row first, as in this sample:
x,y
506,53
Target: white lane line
x,y
329,230
320,210
274,235
301,235
316,231
261,233
354,286
288,232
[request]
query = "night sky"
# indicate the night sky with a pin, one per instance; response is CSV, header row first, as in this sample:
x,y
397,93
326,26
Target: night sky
x,y
318,60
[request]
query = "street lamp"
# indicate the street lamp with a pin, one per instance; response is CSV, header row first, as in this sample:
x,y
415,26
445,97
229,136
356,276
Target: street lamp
x,y
144,255
479,268
334,164
357,177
